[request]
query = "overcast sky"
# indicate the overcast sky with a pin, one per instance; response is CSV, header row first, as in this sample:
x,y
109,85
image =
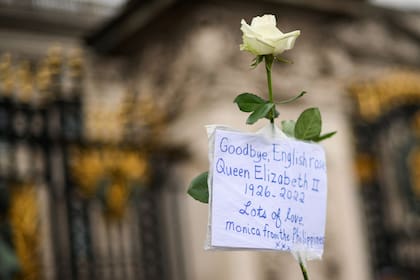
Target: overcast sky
x,y
403,4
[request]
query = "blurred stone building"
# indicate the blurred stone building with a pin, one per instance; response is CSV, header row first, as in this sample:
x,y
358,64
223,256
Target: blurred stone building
x,y
158,71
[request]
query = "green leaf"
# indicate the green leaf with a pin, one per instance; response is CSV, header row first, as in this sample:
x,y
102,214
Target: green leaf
x,y
308,125
288,127
260,113
257,60
290,100
199,188
248,102
324,136
276,114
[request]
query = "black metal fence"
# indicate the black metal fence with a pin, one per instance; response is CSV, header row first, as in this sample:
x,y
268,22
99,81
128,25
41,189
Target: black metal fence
x,y
387,133
71,208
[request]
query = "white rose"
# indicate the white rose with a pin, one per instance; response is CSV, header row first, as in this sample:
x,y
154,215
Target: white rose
x,y
263,37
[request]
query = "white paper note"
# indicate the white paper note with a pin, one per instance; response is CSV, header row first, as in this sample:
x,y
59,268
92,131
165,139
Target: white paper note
x,y
266,193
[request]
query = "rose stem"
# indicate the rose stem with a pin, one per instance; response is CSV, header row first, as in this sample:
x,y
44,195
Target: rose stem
x,y
268,64
303,269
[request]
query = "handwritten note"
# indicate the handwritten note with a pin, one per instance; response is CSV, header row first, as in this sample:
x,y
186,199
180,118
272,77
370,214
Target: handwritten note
x,y
267,193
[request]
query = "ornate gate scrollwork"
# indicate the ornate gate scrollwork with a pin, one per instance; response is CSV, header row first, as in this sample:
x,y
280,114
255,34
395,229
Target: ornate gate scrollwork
x,y
387,130
74,207
109,173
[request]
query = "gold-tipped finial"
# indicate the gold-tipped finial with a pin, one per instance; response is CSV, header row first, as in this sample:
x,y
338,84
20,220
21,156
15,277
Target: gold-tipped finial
x,y
55,59
378,97
75,62
6,75
25,81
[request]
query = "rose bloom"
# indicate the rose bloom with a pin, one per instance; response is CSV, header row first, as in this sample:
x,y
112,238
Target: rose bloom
x,y
262,37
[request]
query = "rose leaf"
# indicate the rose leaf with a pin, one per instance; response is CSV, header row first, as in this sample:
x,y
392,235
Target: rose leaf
x,y
270,113
308,125
288,127
248,102
199,188
260,112
324,136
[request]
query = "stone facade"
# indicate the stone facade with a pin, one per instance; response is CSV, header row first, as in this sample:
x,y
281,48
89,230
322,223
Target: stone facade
x,y
187,59
194,63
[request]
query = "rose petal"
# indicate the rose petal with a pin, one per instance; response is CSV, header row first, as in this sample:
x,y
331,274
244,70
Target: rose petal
x,y
286,43
256,46
247,30
264,20
263,37
267,31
